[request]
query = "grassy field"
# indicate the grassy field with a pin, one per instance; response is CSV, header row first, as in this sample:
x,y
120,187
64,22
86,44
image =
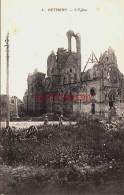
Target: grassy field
x,y
73,159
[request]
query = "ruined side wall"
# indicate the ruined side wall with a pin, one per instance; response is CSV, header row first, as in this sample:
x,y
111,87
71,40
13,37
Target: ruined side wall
x,y
85,106
77,37
35,87
52,65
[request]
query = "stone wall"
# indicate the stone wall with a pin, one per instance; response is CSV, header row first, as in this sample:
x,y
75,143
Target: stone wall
x,y
103,82
36,87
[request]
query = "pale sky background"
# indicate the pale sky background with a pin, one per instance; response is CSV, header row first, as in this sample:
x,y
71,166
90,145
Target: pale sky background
x,y
34,34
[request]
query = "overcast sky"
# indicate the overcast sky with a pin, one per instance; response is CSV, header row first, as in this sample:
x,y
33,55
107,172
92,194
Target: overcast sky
x,y
35,33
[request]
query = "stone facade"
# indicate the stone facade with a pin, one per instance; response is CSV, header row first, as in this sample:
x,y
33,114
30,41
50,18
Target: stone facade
x,y
36,86
103,82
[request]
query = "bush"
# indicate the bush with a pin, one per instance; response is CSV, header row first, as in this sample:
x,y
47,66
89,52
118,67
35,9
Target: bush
x,y
57,146
26,118
60,149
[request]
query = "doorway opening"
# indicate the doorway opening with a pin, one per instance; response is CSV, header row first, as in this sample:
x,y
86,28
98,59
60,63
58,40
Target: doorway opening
x,y
93,108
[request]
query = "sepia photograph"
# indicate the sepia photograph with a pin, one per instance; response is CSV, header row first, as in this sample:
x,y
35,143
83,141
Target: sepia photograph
x,y
62,97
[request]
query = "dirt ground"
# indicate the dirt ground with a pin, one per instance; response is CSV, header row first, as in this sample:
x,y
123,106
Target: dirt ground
x,y
26,124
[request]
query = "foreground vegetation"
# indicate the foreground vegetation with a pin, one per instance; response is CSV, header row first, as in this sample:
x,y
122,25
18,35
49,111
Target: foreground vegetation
x,y
81,156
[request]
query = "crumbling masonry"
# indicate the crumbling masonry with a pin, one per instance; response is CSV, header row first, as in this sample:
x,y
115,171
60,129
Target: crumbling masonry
x,y
103,81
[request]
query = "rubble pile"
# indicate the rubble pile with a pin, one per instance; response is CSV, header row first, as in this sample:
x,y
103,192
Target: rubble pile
x,y
116,123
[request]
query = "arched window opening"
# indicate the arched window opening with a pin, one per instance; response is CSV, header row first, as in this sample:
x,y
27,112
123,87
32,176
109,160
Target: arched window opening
x,y
75,77
92,92
112,75
111,100
107,58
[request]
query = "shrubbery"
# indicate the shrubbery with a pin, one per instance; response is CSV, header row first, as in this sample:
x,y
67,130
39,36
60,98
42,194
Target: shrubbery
x,y
73,151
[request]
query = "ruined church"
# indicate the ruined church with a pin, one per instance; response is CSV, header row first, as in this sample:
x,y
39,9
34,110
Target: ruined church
x,y
104,82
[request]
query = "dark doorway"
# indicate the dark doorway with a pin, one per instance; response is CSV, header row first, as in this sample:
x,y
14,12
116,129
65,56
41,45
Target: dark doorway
x,y
111,104
93,108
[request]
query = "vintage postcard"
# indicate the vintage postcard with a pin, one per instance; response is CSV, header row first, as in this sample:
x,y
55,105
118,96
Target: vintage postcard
x,y
62,97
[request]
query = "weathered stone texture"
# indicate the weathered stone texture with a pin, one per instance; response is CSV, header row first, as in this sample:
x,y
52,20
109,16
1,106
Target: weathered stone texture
x,y
103,82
